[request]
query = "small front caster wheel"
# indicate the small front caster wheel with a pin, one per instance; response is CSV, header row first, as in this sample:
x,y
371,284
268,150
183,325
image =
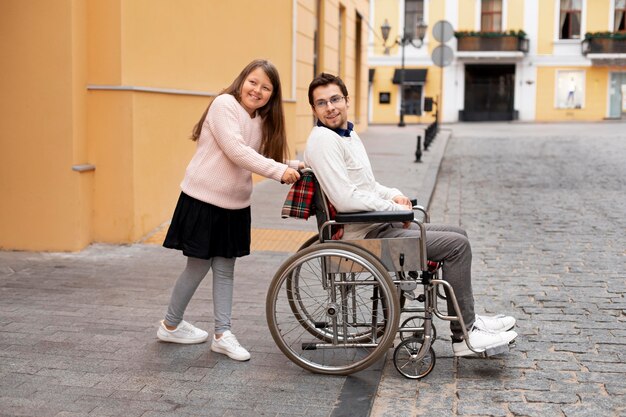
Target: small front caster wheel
x,y
410,363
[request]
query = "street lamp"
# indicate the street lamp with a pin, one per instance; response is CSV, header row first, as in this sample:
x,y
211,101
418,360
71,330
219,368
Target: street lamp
x,y
404,40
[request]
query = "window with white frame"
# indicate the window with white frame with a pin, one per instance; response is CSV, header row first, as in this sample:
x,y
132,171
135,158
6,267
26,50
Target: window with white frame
x,y
491,15
619,20
570,19
413,14
570,89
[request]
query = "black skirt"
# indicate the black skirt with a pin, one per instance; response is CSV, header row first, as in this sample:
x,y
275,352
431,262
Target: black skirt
x,y
202,230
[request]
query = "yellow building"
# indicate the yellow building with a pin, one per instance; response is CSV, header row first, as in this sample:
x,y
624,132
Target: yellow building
x,y
530,60
99,98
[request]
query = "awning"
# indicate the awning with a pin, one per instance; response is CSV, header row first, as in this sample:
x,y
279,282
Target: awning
x,y
371,75
410,76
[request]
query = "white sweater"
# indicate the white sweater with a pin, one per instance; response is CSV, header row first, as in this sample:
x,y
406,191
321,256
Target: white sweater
x,y
343,169
227,152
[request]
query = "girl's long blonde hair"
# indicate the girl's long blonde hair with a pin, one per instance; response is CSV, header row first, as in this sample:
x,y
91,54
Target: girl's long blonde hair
x,y
274,139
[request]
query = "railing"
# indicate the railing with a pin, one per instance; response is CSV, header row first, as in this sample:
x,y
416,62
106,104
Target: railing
x,y
478,43
604,46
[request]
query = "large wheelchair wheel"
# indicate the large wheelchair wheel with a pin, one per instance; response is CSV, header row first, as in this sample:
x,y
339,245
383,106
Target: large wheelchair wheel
x,y
300,309
332,308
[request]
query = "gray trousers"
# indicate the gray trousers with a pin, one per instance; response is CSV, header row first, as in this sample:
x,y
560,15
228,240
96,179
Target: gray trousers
x,y
188,282
448,244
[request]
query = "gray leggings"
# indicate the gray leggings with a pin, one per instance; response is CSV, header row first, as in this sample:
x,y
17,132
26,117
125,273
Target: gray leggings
x,y
449,244
187,283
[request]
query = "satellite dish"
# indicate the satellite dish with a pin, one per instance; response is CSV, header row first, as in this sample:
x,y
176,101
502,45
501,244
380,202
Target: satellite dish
x,y
442,55
443,31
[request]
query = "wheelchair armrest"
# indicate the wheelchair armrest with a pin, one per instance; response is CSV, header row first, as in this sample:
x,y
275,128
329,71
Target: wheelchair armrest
x,y
375,217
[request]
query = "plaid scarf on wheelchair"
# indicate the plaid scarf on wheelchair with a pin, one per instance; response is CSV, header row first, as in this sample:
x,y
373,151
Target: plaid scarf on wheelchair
x,y
299,202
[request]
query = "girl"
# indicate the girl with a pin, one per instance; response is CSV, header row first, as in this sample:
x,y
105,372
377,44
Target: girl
x,y
241,131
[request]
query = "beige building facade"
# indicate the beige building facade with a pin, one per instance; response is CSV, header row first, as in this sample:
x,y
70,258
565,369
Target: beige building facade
x,y
100,96
529,60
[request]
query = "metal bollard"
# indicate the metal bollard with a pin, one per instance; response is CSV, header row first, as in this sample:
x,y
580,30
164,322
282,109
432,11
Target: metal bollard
x,y
418,151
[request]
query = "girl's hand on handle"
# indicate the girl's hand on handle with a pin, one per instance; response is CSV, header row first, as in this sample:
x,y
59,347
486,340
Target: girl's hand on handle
x,y
290,176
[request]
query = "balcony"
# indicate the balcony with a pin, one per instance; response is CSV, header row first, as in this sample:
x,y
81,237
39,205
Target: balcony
x,y
605,48
511,44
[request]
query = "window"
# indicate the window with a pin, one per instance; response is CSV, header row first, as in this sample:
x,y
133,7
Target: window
x,y
570,93
491,16
413,14
569,19
412,99
341,70
619,22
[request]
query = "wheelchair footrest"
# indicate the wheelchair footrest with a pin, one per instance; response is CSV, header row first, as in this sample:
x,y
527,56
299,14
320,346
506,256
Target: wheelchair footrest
x,y
496,350
320,324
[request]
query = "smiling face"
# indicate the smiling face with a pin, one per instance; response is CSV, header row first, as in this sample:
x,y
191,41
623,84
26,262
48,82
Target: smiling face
x,y
256,91
331,115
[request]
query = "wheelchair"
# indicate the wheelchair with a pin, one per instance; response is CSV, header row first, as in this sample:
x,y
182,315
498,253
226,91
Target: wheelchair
x,y
334,307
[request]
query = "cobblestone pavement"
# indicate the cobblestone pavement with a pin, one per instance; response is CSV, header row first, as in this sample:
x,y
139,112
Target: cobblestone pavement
x,y
545,207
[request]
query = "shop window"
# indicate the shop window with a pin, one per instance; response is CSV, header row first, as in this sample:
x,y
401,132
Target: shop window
x,y
413,14
412,99
569,19
570,92
491,16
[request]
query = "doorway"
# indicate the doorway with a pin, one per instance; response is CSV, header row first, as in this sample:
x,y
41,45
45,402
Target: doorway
x,y
489,93
617,95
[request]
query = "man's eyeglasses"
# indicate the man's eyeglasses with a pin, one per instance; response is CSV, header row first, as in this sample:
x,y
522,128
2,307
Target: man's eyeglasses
x,y
335,100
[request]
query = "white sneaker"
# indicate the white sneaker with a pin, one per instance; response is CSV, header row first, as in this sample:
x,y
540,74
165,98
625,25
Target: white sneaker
x,y
228,345
482,340
185,333
494,324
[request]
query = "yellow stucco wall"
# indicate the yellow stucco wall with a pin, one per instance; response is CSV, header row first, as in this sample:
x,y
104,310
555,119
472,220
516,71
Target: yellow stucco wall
x,y
467,15
72,94
546,30
596,77
388,113
42,126
596,19
329,38
594,106
515,15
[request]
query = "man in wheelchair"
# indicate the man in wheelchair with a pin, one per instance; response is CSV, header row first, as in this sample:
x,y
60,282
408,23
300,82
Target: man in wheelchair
x,y
337,156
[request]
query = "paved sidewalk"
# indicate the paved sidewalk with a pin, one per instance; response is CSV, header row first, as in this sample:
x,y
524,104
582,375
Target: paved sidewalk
x,y
78,330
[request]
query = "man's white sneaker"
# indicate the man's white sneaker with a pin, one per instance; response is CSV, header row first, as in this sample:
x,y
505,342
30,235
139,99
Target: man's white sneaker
x,y
482,340
494,324
185,333
228,345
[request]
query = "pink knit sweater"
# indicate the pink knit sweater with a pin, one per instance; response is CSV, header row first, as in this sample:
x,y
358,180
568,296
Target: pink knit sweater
x,y
227,152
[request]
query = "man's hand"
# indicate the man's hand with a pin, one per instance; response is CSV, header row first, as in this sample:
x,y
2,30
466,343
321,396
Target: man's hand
x,y
403,201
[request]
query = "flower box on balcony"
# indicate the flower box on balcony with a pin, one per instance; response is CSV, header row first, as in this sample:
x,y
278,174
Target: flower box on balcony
x,y
492,41
604,43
